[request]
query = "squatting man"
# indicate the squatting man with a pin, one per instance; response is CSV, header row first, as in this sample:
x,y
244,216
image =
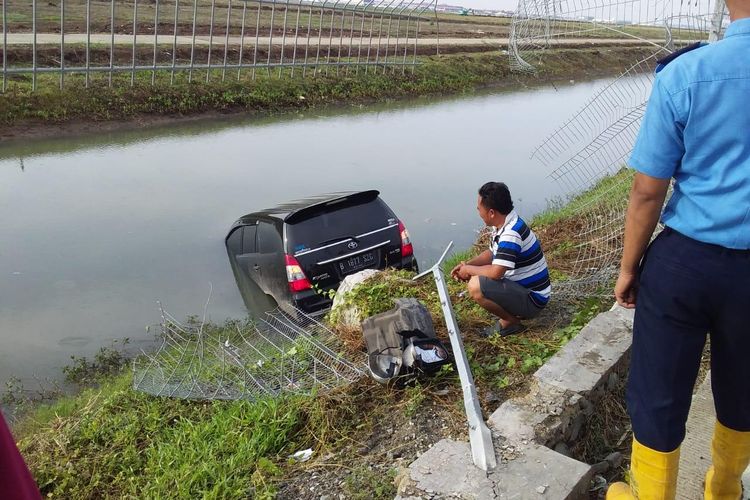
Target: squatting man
x,y
510,279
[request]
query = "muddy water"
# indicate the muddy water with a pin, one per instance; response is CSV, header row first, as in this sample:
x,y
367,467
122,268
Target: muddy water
x,y
94,231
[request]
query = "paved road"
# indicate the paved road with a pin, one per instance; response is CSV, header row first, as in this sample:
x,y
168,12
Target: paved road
x,y
695,456
145,39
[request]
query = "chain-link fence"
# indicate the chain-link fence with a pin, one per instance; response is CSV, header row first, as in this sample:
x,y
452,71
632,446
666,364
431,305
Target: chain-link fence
x,y
597,140
119,41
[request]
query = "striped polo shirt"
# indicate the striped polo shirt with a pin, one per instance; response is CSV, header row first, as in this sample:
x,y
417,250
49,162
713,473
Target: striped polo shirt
x,y
515,247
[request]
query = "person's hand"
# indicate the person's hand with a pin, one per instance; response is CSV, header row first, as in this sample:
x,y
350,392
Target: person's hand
x,y
463,275
626,289
456,270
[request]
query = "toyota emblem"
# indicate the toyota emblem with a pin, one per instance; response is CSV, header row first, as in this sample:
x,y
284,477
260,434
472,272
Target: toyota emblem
x,y
352,245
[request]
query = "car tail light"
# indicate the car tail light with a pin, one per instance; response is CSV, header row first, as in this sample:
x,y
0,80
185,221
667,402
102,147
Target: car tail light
x,y
294,275
406,246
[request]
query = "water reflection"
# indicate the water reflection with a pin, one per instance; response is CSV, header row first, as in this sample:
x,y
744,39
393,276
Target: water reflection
x,y
94,231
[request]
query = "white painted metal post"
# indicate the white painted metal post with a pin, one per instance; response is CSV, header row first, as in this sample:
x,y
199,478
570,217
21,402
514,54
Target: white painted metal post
x,y
480,438
716,21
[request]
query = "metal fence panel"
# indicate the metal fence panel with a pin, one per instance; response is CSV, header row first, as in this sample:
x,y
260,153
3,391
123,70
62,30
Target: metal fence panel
x,y
168,41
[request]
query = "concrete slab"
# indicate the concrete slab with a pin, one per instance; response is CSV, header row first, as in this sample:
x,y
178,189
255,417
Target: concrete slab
x,y
695,454
515,420
446,469
584,362
539,472
533,472
543,415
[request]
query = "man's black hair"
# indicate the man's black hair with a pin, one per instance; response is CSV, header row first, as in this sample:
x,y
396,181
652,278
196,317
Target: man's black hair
x,y
496,195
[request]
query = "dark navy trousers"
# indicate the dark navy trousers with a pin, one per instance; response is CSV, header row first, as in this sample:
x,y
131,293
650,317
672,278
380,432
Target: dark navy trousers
x,y
688,290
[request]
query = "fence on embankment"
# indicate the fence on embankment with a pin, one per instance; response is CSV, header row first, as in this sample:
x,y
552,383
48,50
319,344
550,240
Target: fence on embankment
x,y
66,42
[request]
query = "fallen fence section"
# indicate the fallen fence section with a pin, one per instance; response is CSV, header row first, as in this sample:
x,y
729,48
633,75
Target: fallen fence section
x,y
275,355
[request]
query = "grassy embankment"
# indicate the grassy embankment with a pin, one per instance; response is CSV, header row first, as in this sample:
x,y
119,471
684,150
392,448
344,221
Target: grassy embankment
x,y
110,441
438,75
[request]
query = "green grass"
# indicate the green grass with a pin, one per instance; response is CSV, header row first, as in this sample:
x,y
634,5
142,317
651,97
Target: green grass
x,y
439,75
610,190
115,442
366,484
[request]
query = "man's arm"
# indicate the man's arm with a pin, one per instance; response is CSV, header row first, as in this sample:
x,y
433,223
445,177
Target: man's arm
x,y
481,265
492,271
646,201
482,259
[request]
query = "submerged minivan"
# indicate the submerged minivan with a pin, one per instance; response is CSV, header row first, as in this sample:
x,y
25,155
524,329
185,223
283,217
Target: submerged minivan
x,y
297,252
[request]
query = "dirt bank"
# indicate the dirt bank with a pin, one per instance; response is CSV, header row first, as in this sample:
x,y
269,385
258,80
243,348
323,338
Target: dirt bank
x,y
78,111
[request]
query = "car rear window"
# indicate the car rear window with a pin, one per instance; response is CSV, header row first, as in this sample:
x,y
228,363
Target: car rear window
x,y
338,221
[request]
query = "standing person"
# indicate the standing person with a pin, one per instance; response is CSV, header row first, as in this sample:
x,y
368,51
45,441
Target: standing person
x,y
510,279
694,279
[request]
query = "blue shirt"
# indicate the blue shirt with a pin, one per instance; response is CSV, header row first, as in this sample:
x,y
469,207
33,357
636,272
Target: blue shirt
x,y
697,130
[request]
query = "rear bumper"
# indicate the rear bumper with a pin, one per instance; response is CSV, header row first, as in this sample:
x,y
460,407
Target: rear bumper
x,y
314,304
311,302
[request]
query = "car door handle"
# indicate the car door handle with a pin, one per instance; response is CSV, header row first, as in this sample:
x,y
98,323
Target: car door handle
x,y
256,267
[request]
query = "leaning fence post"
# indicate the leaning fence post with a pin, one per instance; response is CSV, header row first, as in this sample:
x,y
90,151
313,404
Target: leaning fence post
x,y
33,44
480,438
210,39
88,41
242,39
111,42
135,41
5,46
62,44
156,41
716,21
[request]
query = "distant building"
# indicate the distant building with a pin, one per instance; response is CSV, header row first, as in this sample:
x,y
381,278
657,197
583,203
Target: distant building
x,y
452,9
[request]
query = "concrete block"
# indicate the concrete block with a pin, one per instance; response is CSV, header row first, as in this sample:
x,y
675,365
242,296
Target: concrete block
x,y
586,360
447,469
535,472
515,421
544,415
350,315
541,473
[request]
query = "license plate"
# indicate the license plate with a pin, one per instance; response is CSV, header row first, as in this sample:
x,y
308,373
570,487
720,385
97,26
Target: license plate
x,y
356,262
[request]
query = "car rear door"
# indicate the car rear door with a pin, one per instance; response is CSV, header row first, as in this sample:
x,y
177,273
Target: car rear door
x,y
246,258
242,249
345,238
270,259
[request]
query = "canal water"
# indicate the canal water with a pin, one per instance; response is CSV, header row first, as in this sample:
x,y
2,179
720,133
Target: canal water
x,y
95,231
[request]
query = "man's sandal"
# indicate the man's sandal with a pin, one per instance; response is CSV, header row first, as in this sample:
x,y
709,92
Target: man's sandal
x,y
497,329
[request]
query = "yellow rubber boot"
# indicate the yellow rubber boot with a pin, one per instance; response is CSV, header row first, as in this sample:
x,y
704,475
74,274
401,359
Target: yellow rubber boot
x,y
731,455
653,475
